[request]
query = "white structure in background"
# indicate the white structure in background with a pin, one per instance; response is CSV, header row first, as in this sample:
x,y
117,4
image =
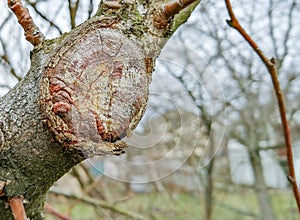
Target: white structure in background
x,y
296,152
241,169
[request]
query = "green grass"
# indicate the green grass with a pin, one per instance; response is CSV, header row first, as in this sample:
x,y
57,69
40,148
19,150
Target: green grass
x,y
184,206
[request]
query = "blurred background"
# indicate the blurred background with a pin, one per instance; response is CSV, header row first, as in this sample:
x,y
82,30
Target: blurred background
x,y
210,145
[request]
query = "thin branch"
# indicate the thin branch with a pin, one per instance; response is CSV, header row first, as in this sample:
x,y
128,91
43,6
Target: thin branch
x,y
32,32
287,34
271,67
2,185
5,86
168,11
4,58
172,8
52,211
52,24
77,175
17,207
6,61
271,26
98,203
87,172
73,11
91,9
84,180
5,21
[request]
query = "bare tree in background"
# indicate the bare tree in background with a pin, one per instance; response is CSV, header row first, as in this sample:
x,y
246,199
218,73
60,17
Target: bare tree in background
x,y
55,118
248,95
250,101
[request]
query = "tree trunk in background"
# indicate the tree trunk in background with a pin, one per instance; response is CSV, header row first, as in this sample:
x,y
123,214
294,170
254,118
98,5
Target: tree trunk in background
x,y
209,190
208,180
49,122
263,197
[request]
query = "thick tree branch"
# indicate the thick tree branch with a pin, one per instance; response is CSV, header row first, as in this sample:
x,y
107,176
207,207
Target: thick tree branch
x,y
272,69
32,32
74,102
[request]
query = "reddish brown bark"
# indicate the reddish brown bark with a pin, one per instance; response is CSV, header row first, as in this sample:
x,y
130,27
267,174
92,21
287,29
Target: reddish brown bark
x,y
32,32
17,207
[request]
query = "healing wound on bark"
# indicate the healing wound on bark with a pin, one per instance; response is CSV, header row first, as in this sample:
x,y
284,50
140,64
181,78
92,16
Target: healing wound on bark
x,y
95,90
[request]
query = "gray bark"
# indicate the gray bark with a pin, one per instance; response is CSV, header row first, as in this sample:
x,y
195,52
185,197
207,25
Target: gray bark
x,y
31,161
37,145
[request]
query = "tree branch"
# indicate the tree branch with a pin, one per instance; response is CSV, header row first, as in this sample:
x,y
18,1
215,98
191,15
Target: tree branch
x,y
271,67
98,203
32,32
73,7
17,208
55,213
51,23
168,11
172,8
91,8
2,184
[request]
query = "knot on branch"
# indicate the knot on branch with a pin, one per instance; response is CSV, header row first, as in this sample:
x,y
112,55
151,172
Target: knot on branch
x,y
95,90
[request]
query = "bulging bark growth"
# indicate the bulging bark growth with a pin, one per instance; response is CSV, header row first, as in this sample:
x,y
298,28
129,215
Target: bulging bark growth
x,y
94,90
84,92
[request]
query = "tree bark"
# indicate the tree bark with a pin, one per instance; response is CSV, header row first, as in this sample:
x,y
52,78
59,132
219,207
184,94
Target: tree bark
x,y
55,118
31,159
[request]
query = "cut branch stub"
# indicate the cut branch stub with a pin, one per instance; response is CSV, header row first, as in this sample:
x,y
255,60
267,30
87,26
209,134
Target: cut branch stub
x,y
32,32
95,89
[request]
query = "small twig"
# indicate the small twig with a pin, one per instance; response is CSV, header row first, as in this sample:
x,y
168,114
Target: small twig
x,y
87,172
32,32
73,8
91,8
272,69
170,9
5,60
77,176
51,23
2,185
122,199
17,207
55,213
99,203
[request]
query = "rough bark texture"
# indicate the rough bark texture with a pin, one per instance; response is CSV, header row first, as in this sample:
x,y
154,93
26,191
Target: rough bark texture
x,y
84,92
30,158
